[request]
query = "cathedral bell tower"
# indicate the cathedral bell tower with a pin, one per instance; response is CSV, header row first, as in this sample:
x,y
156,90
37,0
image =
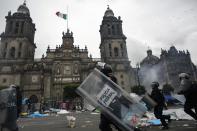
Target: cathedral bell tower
x,y
113,41
113,48
17,42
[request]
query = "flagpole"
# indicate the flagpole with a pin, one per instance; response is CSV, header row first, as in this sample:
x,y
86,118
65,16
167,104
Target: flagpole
x,y
67,17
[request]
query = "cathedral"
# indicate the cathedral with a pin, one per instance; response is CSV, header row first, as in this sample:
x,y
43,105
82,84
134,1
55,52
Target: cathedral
x,y
46,78
166,69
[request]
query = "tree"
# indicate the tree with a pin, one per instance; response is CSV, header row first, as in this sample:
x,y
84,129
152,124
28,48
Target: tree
x,y
69,91
3,87
138,89
167,89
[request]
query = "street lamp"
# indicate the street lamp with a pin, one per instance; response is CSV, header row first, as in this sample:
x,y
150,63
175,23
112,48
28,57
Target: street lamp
x,y
138,78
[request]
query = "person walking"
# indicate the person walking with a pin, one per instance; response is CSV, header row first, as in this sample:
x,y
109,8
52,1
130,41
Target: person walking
x,y
189,90
158,97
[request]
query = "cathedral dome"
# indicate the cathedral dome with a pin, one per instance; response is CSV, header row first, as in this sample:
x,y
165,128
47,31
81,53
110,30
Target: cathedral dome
x,y
109,12
23,9
150,59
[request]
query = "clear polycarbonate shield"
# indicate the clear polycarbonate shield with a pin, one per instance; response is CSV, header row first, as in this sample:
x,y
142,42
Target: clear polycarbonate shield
x,y
112,100
8,109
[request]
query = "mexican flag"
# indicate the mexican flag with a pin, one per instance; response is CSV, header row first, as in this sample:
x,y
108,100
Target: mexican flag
x,y
64,16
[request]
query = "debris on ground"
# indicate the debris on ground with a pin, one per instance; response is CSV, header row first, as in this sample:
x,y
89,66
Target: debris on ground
x,y
37,115
61,112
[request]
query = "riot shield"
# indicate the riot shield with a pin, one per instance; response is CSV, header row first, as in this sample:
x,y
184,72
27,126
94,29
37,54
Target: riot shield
x,y
8,109
112,100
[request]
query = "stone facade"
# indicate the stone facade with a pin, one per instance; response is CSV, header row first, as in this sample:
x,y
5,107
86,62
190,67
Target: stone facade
x,y
114,50
44,77
166,68
67,63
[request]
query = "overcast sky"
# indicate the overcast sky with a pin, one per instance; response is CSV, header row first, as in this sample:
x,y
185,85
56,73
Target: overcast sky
x,y
146,23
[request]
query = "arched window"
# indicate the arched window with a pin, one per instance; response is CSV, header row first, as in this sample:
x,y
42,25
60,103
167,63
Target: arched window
x,y
16,28
118,29
116,52
4,54
5,50
75,69
109,29
110,53
109,45
19,54
12,52
113,30
20,45
22,26
10,26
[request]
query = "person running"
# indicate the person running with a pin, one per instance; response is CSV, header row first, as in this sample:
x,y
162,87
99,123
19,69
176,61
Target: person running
x,y
158,97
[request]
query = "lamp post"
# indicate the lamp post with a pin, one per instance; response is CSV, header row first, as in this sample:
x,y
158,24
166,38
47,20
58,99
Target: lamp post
x,y
138,78
42,87
42,80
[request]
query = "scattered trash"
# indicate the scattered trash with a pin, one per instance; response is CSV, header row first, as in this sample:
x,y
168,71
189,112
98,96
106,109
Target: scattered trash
x,y
24,114
185,125
177,114
94,113
54,110
62,112
71,121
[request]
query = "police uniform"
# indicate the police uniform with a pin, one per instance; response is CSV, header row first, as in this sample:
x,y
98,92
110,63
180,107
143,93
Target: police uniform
x,y
105,121
158,97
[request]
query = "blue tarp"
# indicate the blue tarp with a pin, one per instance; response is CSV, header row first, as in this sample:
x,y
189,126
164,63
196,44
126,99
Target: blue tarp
x,y
154,122
37,115
169,98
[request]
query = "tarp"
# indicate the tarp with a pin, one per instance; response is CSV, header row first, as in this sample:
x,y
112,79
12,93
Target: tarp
x,y
169,98
37,115
154,122
177,114
180,98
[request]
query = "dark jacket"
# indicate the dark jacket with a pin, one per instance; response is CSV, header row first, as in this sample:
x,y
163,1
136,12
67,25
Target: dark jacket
x,y
158,97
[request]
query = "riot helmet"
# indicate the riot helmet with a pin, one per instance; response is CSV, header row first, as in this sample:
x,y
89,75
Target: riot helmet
x,y
107,70
154,85
184,76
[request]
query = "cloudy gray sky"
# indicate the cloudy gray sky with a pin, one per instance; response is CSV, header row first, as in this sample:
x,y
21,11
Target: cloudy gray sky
x,y
154,23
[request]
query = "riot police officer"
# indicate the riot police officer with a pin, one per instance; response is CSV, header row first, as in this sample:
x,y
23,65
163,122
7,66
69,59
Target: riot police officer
x,y
12,106
189,90
105,122
158,97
